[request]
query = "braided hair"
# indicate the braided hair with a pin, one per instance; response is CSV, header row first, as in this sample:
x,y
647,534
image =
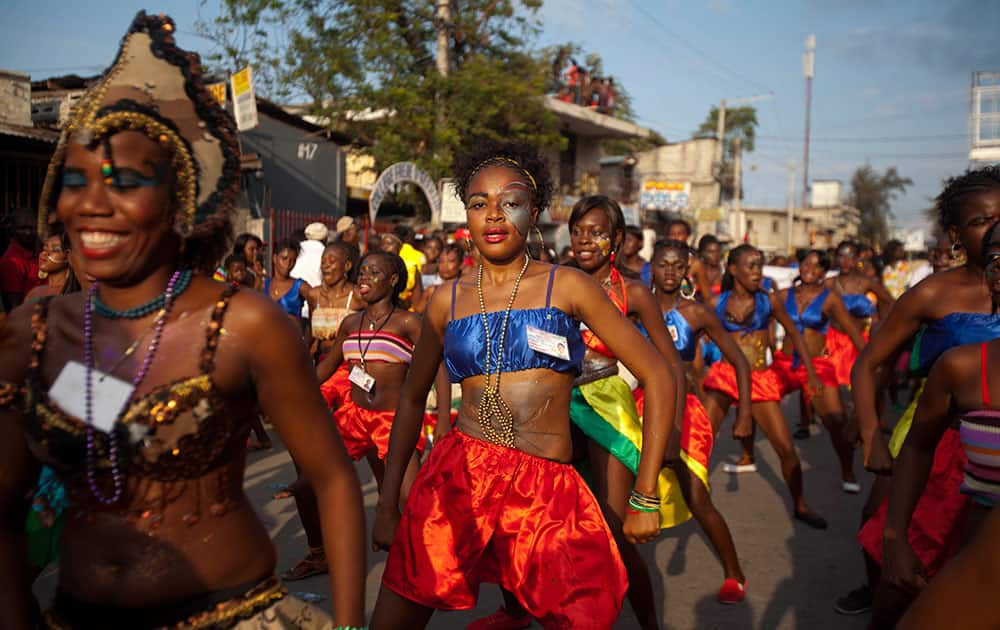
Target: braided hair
x,y
948,204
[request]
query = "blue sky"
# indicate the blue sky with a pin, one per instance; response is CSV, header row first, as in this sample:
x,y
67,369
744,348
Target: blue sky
x,y
891,86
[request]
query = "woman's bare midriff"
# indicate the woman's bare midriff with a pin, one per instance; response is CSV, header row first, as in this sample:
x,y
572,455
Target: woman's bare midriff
x,y
174,562
539,402
388,381
815,342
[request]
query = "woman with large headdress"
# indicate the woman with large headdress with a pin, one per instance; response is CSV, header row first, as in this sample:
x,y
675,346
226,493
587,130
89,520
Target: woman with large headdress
x,y
145,428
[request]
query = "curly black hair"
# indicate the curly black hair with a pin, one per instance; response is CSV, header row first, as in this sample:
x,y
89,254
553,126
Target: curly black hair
x,y
492,153
398,268
948,204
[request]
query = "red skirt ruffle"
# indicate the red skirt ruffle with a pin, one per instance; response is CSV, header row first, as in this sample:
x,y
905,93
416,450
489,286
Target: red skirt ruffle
x,y
364,429
842,354
480,512
765,385
797,378
937,525
337,388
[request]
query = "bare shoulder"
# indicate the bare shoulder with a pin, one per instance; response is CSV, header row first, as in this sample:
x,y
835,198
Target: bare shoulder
x,y
636,289
251,313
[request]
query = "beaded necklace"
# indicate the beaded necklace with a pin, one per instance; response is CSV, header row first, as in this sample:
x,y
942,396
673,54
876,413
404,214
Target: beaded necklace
x,y
88,354
183,279
492,404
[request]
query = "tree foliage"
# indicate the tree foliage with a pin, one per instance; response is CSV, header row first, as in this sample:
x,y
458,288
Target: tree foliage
x,y
367,68
741,122
873,193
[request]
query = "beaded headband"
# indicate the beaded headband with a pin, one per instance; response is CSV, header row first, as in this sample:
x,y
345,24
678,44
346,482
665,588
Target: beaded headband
x,y
512,162
155,88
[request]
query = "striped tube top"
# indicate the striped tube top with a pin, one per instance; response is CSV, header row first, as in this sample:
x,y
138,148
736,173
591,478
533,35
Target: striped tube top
x,y
377,347
980,433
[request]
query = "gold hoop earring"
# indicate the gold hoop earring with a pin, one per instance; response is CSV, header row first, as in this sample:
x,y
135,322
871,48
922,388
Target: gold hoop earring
x,y
541,240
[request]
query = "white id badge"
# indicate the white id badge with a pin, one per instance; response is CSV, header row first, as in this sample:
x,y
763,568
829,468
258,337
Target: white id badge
x,y
362,379
673,332
547,343
109,395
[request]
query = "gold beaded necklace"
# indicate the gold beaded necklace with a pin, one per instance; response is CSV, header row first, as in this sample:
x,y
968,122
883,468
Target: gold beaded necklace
x,y
492,404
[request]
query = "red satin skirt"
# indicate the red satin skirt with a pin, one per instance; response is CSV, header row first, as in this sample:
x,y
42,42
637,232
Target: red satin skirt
x,y
797,378
765,385
337,388
364,429
842,353
480,512
938,522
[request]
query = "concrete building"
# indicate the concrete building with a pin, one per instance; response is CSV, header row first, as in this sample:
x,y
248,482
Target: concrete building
x,y
25,150
825,223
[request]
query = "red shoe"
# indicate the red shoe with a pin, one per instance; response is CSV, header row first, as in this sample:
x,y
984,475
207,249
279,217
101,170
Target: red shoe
x,y
732,592
500,620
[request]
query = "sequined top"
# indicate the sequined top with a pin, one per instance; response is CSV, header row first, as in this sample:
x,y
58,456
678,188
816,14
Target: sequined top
x,y
180,430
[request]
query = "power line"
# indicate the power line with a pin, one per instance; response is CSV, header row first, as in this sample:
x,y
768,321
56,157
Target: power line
x,y
699,52
867,139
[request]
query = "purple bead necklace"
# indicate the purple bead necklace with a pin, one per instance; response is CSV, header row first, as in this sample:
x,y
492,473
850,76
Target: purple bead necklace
x,y
88,358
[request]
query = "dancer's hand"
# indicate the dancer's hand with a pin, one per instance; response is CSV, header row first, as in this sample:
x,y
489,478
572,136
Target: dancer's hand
x,y
877,457
814,384
743,427
384,530
901,567
641,527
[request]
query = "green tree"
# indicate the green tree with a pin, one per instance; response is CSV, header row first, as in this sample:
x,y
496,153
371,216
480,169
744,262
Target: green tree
x,y
367,68
873,193
741,122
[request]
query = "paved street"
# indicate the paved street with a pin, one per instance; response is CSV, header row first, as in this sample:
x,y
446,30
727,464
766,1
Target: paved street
x,y
794,573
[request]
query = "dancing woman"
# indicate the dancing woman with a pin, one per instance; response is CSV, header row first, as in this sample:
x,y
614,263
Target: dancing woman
x,y
159,531
290,293
709,278
496,500
963,386
813,307
691,448
856,289
747,312
53,267
329,304
955,308
601,404
249,247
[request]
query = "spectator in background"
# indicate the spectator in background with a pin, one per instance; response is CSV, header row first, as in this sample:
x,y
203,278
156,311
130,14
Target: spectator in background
x,y
19,264
236,270
432,248
348,232
311,253
53,268
945,255
400,242
896,273
630,262
248,246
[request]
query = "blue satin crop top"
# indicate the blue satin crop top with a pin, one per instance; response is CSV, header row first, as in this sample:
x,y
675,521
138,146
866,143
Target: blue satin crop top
x,y
465,344
761,313
954,329
290,302
858,304
685,340
812,316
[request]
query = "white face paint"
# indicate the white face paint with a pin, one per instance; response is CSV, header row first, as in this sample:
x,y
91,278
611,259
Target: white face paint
x,y
515,202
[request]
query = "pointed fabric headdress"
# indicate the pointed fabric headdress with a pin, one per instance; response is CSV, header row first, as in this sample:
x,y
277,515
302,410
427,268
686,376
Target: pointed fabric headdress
x,y
157,89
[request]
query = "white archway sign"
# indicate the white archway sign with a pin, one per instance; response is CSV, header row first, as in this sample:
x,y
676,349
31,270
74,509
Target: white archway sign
x,y
403,172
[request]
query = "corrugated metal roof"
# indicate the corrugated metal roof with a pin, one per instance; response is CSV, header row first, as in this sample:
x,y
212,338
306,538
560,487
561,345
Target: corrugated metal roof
x,y
33,133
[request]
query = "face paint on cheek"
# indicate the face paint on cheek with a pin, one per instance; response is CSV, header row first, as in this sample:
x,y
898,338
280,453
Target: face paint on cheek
x,y
519,217
604,243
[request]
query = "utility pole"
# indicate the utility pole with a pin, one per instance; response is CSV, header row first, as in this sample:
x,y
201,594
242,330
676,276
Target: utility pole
x,y
720,133
442,21
791,203
808,59
737,176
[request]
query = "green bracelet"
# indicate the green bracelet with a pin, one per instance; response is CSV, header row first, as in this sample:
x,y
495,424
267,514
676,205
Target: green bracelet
x,y
639,507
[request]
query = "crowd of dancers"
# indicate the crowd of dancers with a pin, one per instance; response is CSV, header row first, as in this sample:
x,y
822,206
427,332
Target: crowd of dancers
x,y
137,379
